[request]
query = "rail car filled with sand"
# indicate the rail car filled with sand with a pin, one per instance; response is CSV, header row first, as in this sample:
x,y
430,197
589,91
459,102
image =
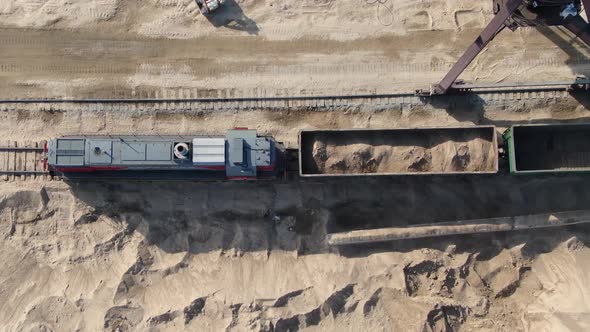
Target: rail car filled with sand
x,y
355,152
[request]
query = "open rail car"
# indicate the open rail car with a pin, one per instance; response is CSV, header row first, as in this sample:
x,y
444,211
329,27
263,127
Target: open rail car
x,y
405,151
542,148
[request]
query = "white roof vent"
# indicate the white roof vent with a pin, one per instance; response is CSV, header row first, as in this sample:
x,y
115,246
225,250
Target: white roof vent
x,y
209,151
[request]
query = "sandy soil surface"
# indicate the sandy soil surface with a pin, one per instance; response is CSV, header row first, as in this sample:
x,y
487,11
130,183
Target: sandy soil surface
x,y
107,48
236,257
402,152
239,256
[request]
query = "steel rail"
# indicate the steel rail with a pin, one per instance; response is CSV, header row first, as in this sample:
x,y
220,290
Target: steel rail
x,y
518,86
24,173
18,149
204,100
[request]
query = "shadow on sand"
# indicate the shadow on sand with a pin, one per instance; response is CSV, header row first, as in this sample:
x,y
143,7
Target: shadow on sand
x,y
295,216
558,36
231,16
470,107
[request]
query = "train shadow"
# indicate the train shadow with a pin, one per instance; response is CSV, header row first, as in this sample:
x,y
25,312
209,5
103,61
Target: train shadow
x,y
235,217
231,16
447,199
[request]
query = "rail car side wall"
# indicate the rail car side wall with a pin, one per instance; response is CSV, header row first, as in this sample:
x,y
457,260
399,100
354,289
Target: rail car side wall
x,y
398,144
548,148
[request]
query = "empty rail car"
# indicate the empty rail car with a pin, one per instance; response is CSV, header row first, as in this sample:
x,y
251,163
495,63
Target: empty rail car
x,y
240,155
554,148
243,155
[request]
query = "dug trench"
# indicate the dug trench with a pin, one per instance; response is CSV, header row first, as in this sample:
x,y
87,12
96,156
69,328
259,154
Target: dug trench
x,y
132,256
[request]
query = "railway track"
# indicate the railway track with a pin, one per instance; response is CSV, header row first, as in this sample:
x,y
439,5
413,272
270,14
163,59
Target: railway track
x,y
489,94
25,160
22,161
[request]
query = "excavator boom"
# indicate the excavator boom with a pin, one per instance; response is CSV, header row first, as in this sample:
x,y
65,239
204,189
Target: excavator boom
x,y
514,14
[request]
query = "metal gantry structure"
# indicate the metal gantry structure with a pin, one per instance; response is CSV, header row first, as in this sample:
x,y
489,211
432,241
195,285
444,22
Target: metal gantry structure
x,y
513,14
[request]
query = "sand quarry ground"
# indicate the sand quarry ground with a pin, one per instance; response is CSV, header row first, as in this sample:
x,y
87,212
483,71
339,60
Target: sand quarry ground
x,y
252,257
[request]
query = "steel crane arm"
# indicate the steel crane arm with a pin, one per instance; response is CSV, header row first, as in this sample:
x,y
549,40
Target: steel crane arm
x,y
491,30
586,4
580,28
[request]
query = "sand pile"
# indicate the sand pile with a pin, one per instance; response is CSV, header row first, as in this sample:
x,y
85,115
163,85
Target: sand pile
x,y
235,257
252,257
432,154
